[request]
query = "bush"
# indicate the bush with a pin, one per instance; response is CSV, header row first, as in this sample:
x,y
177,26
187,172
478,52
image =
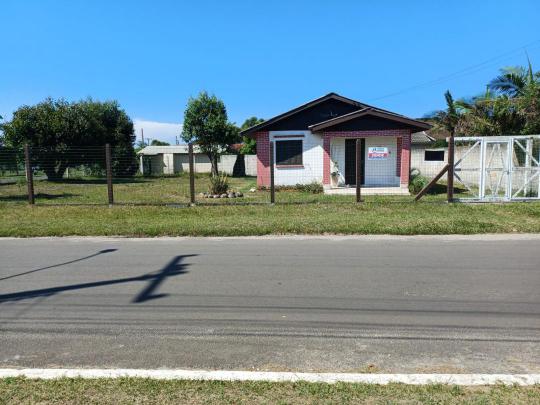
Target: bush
x,y
219,184
314,188
417,182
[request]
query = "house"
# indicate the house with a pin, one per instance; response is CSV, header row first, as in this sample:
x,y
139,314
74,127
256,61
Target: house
x,y
316,142
169,160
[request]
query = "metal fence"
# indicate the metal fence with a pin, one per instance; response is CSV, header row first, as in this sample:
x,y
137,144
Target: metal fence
x,y
499,168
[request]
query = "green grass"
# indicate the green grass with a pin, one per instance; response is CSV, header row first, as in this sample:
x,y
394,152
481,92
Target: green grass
x,y
167,190
235,220
66,208
133,390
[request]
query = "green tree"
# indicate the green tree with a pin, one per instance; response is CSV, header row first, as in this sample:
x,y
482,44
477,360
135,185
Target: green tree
x,y
514,81
206,123
249,144
157,142
63,134
489,114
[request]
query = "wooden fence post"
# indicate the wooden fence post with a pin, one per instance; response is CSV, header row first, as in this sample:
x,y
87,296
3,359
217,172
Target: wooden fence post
x,y
108,165
191,175
272,185
29,174
358,170
450,176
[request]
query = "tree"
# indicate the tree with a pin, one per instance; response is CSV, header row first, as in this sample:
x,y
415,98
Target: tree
x,y
157,142
514,81
249,144
206,123
53,128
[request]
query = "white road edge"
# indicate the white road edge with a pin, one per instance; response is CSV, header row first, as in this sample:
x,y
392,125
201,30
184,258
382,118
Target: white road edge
x,y
225,375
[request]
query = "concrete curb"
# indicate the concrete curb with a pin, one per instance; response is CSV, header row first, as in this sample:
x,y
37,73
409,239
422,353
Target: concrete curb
x,y
330,378
485,237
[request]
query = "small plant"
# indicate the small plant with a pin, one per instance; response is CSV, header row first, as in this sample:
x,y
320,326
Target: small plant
x,y
313,188
417,182
219,184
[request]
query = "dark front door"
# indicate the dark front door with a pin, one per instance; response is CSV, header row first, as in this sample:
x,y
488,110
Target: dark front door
x,y
350,161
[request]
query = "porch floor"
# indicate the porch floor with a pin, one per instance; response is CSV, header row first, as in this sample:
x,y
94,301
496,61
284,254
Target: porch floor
x,y
366,190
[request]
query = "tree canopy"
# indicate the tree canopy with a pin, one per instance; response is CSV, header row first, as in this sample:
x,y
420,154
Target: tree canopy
x,y
206,123
249,144
157,142
63,134
510,105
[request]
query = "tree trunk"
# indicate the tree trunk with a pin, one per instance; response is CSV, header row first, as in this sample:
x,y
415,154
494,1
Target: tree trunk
x,y
214,163
55,171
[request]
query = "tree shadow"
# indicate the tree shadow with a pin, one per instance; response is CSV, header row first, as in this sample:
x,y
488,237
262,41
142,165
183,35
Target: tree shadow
x,y
43,196
173,268
439,188
104,251
99,181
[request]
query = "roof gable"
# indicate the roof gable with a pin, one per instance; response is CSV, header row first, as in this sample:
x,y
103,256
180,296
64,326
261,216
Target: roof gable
x,y
369,119
300,118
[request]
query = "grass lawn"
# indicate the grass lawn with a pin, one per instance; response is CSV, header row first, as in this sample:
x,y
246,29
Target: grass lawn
x,y
59,212
124,391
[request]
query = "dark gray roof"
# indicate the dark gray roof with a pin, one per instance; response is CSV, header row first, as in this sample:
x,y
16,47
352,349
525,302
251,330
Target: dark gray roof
x,y
363,109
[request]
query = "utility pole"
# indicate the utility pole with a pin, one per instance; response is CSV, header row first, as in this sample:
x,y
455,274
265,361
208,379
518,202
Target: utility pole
x,y
142,136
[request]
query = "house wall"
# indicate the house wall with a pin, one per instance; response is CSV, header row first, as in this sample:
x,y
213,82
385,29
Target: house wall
x,y
168,163
181,163
377,172
393,171
312,159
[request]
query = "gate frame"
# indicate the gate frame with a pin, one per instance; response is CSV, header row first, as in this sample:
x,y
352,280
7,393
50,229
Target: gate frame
x,y
510,141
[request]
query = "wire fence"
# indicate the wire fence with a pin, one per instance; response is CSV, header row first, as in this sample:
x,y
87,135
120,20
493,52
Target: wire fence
x,y
351,171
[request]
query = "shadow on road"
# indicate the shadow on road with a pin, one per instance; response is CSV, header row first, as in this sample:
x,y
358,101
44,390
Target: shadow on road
x,y
104,251
173,268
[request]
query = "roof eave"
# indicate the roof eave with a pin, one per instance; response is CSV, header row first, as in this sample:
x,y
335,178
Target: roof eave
x,y
417,125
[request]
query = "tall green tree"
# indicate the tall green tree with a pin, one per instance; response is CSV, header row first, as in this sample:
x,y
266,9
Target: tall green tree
x,y
510,105
514,81
249,146
63,134
207,125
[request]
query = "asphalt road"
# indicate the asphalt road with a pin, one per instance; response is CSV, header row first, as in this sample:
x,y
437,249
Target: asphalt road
x,y
389,304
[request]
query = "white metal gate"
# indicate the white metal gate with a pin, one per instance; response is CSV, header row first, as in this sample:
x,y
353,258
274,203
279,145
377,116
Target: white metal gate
x,y
498,168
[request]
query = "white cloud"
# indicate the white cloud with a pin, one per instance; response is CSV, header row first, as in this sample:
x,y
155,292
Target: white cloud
x,y
164,131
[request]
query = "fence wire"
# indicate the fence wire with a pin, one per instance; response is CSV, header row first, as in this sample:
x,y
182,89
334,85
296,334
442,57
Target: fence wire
x,y
80,175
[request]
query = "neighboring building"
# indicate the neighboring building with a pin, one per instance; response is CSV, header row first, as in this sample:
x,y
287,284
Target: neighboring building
x,y
425,157
158,160
316,142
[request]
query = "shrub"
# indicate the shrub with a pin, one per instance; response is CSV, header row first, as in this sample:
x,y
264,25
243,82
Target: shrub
x,y
219,184
314,188
417,182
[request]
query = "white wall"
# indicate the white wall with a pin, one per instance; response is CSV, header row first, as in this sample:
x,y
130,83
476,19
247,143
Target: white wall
x,y
227,162
174,163
382,172
378,172
426,168
312,160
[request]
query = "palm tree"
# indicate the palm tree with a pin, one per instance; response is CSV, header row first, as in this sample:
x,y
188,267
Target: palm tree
x,y
514,81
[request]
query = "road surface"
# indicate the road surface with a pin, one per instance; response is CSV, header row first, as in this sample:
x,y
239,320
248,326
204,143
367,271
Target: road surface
x,y
351,304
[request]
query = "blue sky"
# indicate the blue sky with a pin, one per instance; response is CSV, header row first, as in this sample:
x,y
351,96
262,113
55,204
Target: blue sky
x,y
261,57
